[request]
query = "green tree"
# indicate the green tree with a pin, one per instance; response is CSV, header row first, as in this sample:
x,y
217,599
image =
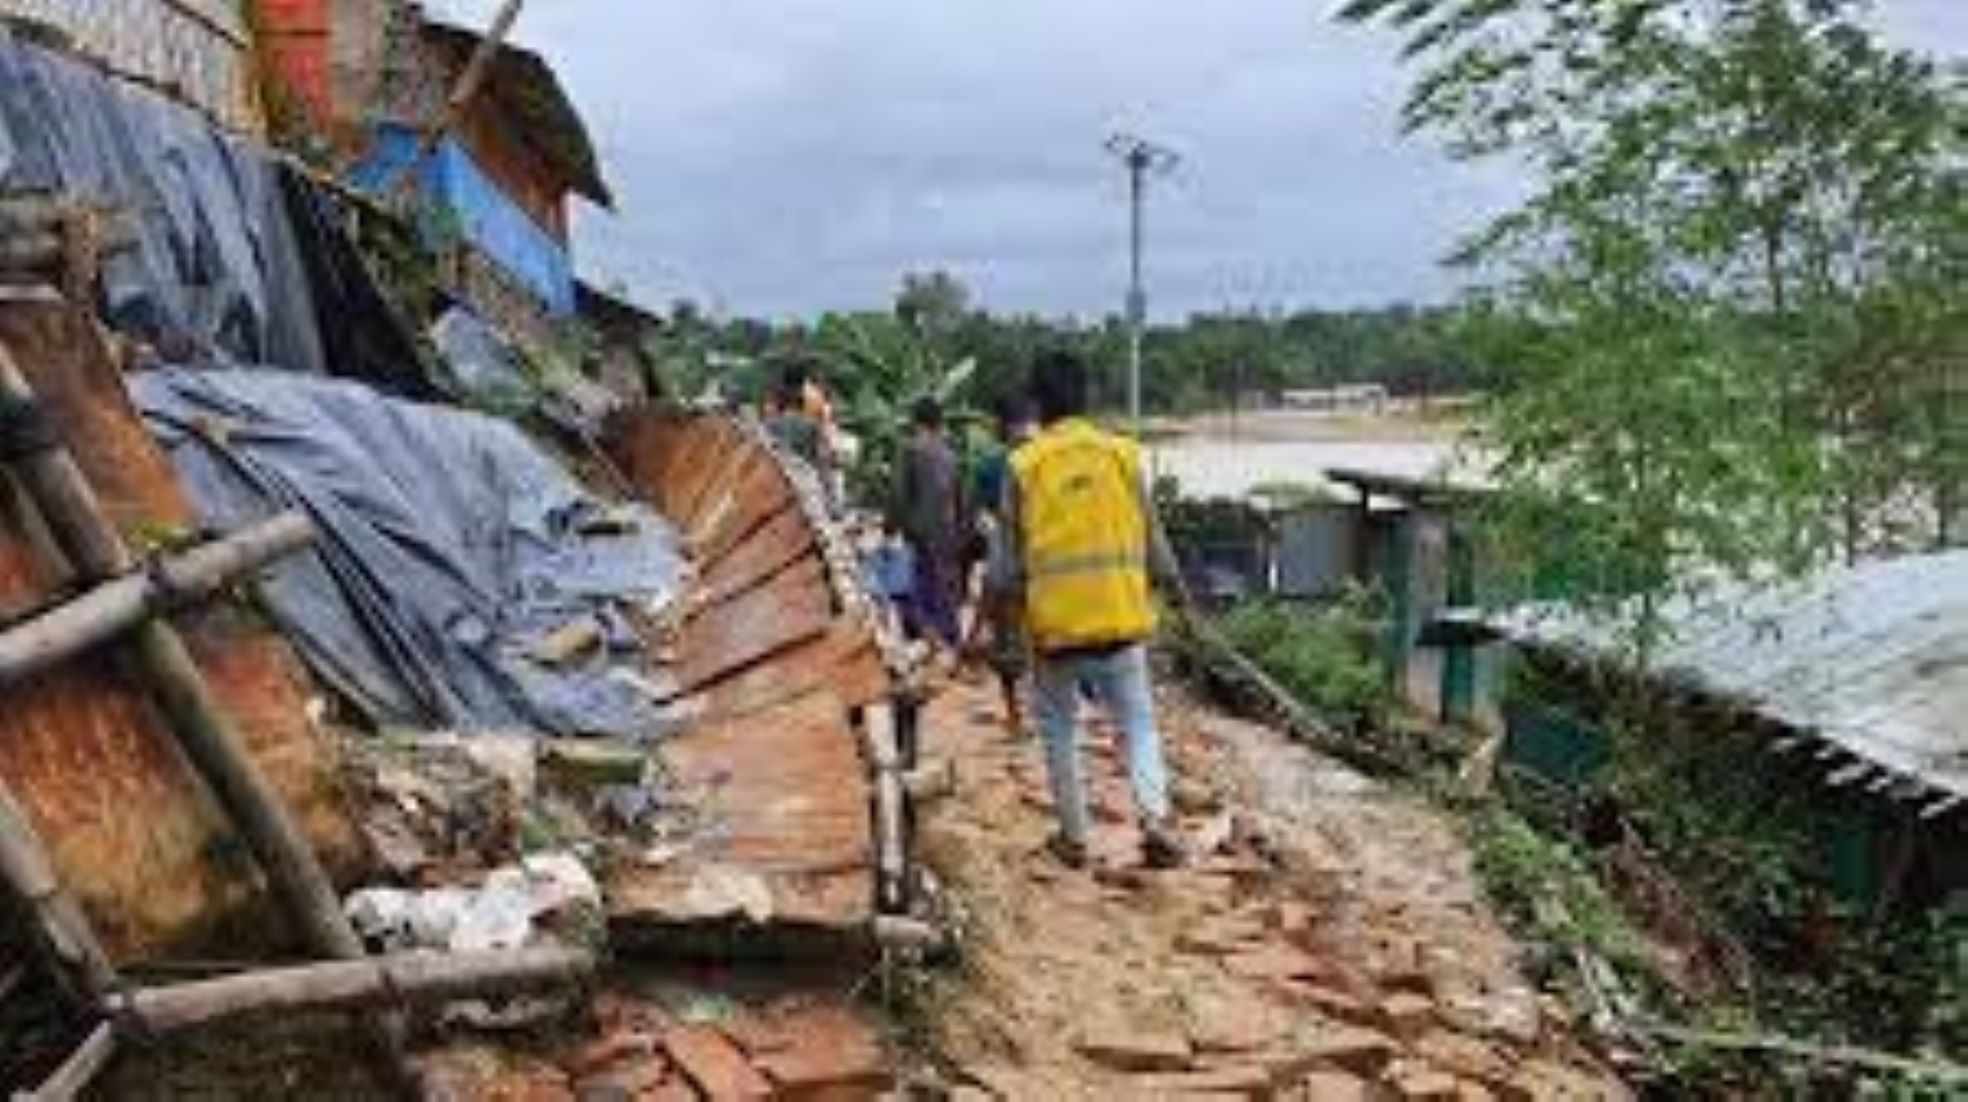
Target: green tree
x,y
1729,315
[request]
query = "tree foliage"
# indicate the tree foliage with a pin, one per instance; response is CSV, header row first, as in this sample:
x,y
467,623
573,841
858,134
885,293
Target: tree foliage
x,y
1729,320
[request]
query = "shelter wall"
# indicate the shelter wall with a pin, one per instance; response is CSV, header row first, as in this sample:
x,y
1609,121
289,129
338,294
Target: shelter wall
x,y
196,51
131,830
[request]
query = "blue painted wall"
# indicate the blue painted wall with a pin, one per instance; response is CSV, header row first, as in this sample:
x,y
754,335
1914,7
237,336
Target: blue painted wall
x,y
460,198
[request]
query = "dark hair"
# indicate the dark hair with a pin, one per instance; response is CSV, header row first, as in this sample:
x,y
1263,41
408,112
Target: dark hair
x,y
1011,411
795,372
1059,385
927,413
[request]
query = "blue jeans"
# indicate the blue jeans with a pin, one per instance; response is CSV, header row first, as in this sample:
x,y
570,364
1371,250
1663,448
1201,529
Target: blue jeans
x,y
1118,680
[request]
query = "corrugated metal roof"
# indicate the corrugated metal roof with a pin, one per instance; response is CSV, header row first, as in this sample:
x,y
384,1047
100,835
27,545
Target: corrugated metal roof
x,y
1871,658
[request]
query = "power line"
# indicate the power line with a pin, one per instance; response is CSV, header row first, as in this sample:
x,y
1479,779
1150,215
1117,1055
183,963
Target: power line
x,y
1142,159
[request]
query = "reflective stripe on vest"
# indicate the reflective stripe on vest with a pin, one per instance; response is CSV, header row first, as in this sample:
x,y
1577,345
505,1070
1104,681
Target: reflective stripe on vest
x,y
1059,566
1085,538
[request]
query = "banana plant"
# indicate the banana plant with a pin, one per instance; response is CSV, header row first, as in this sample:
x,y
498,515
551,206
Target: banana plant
x,y
879,367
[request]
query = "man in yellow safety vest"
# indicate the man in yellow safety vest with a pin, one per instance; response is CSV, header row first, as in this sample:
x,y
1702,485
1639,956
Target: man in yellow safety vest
x,y
1083,545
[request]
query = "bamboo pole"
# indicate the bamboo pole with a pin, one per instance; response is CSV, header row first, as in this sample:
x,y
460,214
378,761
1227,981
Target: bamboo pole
x,y
75,518
898,933
79,1070
462,93
62,931
347,985
891,841
115,607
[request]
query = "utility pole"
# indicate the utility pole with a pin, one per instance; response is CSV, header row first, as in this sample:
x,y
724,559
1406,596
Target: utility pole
x,y
1141,158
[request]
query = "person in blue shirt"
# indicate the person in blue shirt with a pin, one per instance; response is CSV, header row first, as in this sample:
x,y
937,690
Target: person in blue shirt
x,y
998,615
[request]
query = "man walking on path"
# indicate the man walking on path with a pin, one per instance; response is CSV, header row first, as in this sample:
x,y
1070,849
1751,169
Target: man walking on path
x,y
1084,542
1000,615
929,511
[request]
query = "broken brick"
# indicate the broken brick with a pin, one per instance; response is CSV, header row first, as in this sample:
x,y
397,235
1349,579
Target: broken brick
x,y
1291,918
1137,1050
1407,1016
1270,961
625,1084
1415,1081
714,1064
606,1051
673,1089
821,1051
1238,1080
1466,1056
1234,1029
1332,1086
1336,1005
1352,1048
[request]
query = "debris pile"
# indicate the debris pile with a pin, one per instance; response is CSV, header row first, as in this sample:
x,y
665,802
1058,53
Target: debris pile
x,y
1327,939
683,1042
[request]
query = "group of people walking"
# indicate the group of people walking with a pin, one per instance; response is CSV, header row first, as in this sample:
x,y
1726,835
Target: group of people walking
x,y
1056,535
1051,543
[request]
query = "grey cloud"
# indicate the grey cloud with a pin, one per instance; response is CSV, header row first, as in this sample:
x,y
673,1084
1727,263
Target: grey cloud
x,y
787,156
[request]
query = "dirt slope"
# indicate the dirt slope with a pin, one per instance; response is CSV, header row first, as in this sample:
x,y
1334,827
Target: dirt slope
x,y
1333,943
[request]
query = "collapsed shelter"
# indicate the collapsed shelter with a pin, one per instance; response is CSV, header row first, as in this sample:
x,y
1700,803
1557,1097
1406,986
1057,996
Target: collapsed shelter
x,y
199,329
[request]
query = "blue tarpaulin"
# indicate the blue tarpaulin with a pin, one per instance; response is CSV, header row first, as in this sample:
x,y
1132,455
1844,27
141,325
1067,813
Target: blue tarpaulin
x,y
458,197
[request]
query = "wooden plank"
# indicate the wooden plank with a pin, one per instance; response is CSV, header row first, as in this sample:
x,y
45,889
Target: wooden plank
x,y
793,607
778,543
845,662
762,492
785,799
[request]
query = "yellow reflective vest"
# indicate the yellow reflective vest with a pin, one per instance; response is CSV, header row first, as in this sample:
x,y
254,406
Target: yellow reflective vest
x,y
1084,539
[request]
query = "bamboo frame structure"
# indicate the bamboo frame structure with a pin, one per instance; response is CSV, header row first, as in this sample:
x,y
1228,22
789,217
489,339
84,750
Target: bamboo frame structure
x,y
123,604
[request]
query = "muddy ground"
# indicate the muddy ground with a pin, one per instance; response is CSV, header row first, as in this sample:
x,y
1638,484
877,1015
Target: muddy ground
x,y
1329,940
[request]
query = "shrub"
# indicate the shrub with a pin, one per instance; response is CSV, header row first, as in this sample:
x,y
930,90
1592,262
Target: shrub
x,y
1327,657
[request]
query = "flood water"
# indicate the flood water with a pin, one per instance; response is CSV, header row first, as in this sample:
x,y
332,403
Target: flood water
x,y
1212,467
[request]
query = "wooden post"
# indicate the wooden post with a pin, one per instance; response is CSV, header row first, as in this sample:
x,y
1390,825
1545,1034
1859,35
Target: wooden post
x,y
344,985
114,607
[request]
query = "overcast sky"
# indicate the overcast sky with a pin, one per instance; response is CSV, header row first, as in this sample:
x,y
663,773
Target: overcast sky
x,y
790,156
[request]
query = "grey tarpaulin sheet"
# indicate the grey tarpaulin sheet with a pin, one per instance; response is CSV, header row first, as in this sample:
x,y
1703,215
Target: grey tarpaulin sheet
x,y
214,259
238,256
450,547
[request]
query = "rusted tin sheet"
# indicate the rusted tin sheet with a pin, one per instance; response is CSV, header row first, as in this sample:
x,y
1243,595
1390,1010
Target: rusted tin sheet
x,y
771,667
784,539
794,606
739,507
845,662
785,802
640,445
131,830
